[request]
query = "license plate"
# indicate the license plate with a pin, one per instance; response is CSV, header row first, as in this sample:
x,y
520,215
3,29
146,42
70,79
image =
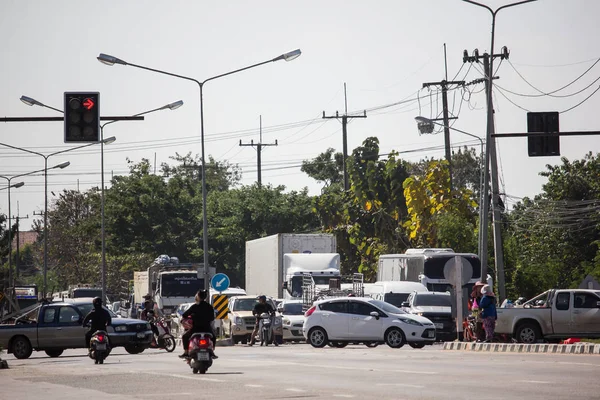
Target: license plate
x,y
100,346
203,356
439,326
141,335
431,334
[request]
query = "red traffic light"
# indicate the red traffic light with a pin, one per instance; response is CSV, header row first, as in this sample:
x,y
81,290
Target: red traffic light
x,y
88,103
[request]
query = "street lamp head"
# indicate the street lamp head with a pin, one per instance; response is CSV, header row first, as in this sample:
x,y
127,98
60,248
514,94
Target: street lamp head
x,y
62,165
422,119
109,140
292,55
30,102
175,106
110,60
18,185
425,125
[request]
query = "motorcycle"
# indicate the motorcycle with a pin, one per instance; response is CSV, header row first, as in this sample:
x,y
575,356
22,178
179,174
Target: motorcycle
x,y
200,352
266,329
164,340
99,347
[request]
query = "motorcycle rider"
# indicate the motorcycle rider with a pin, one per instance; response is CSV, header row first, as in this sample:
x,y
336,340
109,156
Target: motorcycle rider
x,y
150,307
202,314
99,317
259,308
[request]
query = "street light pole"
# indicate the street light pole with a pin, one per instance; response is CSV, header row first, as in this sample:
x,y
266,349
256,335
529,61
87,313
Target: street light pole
x,y
11,282
110,60
490,152
171,106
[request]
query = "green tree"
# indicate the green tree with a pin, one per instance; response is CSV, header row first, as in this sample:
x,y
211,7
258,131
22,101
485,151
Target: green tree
x,y
327,167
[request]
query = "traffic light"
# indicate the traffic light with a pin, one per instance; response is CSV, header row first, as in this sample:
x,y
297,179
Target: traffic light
x,y
82,117
543,145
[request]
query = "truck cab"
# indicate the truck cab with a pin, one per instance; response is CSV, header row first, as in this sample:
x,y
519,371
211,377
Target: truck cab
x,y
322,268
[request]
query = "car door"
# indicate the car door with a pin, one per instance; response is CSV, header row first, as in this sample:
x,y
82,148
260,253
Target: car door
x,y
48,334
363,326
72,334
562,314
586,314
335,319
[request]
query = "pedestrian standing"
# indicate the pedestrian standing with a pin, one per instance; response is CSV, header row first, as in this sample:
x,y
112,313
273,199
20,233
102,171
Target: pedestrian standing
x,y
488,312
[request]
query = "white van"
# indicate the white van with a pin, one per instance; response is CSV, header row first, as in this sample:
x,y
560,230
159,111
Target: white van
x,y
395,292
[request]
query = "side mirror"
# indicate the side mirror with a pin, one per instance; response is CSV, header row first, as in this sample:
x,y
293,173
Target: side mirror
x,y
598,304
285,285
374,314
405,304
280,309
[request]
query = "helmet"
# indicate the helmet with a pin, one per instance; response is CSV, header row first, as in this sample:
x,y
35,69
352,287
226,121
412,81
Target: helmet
x,y
262,297
97,302
148,297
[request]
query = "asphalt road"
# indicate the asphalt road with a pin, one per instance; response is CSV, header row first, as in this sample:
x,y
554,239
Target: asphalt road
x,y
299,371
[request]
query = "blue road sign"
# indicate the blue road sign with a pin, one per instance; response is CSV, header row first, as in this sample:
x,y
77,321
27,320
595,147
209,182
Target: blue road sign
x,y
220,282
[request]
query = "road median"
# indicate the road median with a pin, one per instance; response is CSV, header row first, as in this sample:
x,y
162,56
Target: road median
x,y
577,348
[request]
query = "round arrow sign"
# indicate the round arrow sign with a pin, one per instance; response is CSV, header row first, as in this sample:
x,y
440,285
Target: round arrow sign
x,y
220,282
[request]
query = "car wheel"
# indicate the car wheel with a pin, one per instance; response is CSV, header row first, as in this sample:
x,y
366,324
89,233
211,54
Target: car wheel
x,y
394,338
54,352
317,337
21,347
528,333
134,349
371,344
416,345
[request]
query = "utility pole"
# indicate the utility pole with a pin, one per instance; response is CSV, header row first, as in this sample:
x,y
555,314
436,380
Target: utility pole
x,y
491,163
259,148
18,218
446,118
345,119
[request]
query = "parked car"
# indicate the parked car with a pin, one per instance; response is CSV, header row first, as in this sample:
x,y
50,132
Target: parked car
x,y
176,328
437,307
54,327
348,320
242,320
394,292
292,318
553,315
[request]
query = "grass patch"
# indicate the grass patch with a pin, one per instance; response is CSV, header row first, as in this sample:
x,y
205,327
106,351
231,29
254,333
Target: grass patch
x,y
596,341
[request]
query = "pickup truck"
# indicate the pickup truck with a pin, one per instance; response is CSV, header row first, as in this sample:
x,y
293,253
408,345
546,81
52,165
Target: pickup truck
x,y
552,316
54,327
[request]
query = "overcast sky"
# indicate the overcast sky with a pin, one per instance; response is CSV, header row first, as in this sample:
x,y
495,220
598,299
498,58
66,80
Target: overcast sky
x,y
383,50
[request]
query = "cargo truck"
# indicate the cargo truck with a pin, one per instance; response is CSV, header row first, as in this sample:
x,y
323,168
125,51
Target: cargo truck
x,y
275,264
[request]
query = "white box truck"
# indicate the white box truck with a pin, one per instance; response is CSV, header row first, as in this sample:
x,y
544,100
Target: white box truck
x,y
274,260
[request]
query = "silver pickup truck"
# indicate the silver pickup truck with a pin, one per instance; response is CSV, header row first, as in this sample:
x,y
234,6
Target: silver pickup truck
x,y
54,327
553,315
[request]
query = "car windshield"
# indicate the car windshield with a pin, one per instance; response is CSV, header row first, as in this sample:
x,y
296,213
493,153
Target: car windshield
x,y
388,308
292,309
395,299
85,309
432,300
244,304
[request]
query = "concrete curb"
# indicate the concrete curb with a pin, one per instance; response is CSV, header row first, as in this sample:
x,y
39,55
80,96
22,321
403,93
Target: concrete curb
x,y
3,364
577,348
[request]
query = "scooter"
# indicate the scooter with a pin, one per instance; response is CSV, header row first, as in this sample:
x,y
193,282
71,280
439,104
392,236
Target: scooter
x,y
266,329
99,347
164,340
200,352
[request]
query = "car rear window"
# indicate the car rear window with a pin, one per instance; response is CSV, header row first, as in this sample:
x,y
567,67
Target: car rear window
x,y
335,306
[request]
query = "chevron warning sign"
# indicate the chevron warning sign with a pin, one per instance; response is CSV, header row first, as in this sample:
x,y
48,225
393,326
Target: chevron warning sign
x,y
221,303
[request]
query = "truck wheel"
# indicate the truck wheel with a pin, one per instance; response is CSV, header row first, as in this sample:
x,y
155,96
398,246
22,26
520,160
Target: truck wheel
x,y
394,338
317,337
54,352
21,347
528,332
134,349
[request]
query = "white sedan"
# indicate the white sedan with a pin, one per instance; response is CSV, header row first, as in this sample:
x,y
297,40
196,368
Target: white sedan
x,y
292,319
347,320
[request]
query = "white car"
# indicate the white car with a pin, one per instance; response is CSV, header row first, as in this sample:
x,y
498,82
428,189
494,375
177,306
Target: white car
x,y
293,319
348,320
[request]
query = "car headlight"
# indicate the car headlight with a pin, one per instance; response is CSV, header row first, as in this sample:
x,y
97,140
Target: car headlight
x,y
239,321
421,314
286,321
410,321
121,328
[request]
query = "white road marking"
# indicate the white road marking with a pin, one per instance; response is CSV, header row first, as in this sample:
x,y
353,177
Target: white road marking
x,y
295,390
401,384
196,378
347,396
543,382
254,386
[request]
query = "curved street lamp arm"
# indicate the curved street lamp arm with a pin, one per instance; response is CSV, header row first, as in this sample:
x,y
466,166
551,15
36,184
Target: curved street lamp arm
x,y
236,71
22,149
71,149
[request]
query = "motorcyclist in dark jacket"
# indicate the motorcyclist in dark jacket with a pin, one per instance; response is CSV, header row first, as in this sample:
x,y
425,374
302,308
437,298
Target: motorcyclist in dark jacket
x,y
202,314
259,308
99,317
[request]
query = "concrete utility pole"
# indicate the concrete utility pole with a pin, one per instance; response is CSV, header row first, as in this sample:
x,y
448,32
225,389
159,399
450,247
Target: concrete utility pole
x,y
18,218
259,148
345,118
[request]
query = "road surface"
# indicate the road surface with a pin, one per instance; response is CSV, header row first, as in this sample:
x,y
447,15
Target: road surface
x,y
299,371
